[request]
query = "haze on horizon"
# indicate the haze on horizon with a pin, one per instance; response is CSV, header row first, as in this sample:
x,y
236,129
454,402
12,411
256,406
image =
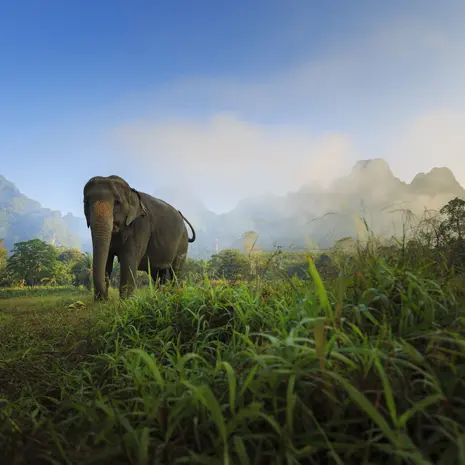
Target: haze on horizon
x,y
227,100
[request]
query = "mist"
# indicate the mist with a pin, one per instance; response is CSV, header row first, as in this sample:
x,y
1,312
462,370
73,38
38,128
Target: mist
x,y
296,187
224,159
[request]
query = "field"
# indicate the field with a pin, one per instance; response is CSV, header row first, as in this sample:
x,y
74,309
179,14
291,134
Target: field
x,y
364,368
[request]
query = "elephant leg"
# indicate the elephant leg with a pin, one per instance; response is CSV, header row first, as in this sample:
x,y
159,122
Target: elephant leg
x,y
128,264
176,268
158,275
168,274
154,273
109,268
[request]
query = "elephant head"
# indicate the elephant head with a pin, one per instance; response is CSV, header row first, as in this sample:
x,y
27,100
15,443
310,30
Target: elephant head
x,y
110,205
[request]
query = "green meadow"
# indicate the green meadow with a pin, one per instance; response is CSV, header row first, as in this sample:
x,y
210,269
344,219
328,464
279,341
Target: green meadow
x,y
364,366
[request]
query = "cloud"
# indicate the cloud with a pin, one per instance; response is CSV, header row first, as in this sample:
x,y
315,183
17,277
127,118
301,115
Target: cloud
x,y
225,158
364,98
393,65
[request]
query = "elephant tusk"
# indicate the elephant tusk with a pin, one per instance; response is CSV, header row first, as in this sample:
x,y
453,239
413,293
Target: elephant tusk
x,y
144,209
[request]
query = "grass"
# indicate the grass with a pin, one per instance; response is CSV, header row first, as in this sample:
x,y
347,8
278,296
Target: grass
x,y
39,291
364,369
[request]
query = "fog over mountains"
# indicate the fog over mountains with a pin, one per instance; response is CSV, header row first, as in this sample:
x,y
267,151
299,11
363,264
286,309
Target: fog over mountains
x,y
309,217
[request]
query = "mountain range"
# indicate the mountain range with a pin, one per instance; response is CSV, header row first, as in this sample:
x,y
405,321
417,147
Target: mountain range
x,y
309,217
22,218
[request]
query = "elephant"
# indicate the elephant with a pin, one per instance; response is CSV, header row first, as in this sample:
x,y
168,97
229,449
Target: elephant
x,y
144,232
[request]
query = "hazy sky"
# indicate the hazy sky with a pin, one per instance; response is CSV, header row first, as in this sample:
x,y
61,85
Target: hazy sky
x,y
227,98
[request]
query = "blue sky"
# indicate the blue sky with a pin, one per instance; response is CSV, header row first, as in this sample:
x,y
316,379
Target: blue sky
x,y
228,99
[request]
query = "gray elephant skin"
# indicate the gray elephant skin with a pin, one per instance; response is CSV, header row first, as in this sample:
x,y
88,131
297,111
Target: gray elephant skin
x,y
141,230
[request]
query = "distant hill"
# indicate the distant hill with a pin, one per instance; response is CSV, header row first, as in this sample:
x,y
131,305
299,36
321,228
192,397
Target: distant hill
x,y
22,218
310,216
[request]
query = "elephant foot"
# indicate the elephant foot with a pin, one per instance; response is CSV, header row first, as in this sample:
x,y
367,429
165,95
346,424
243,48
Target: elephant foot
x,y
100,297
129,298
126,293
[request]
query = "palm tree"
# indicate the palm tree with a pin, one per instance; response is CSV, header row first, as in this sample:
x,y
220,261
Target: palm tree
x,y
82,270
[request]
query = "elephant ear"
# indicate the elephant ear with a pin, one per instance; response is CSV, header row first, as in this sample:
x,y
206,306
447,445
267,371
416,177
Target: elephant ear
x,y
136,207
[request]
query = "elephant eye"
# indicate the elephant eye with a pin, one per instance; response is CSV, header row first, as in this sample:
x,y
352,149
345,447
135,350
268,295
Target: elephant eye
x,y
117,203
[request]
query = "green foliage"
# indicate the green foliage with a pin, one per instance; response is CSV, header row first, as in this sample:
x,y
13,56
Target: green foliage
x,y
66,255
229,264
367,368
81,270
115,275
37,291
3,261
195,267
36,262
453,225
355,356
436,241
32,261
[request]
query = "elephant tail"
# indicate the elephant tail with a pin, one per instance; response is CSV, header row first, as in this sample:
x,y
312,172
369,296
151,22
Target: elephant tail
x,y
192,229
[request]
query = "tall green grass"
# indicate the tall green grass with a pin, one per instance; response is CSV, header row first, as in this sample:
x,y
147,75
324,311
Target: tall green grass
x,y
365,369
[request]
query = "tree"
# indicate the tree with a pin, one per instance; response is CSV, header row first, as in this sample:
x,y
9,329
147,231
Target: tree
x,y
32,261
115,274
3,260
66,255
59,274
194,266
81,271
452,229
453,225
229,263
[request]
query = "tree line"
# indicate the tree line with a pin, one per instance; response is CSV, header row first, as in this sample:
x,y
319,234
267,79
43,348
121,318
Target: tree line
x,y
437,238
36,262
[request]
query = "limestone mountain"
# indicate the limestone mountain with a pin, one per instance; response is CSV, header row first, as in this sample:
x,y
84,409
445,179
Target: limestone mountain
x,y
436,182
22,218
312,216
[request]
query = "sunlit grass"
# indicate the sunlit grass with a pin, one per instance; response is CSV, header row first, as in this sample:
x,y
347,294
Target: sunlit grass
x,y
365,369
39,291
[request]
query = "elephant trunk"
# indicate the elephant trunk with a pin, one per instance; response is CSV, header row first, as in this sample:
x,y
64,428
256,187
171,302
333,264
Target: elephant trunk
x,y
101,228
